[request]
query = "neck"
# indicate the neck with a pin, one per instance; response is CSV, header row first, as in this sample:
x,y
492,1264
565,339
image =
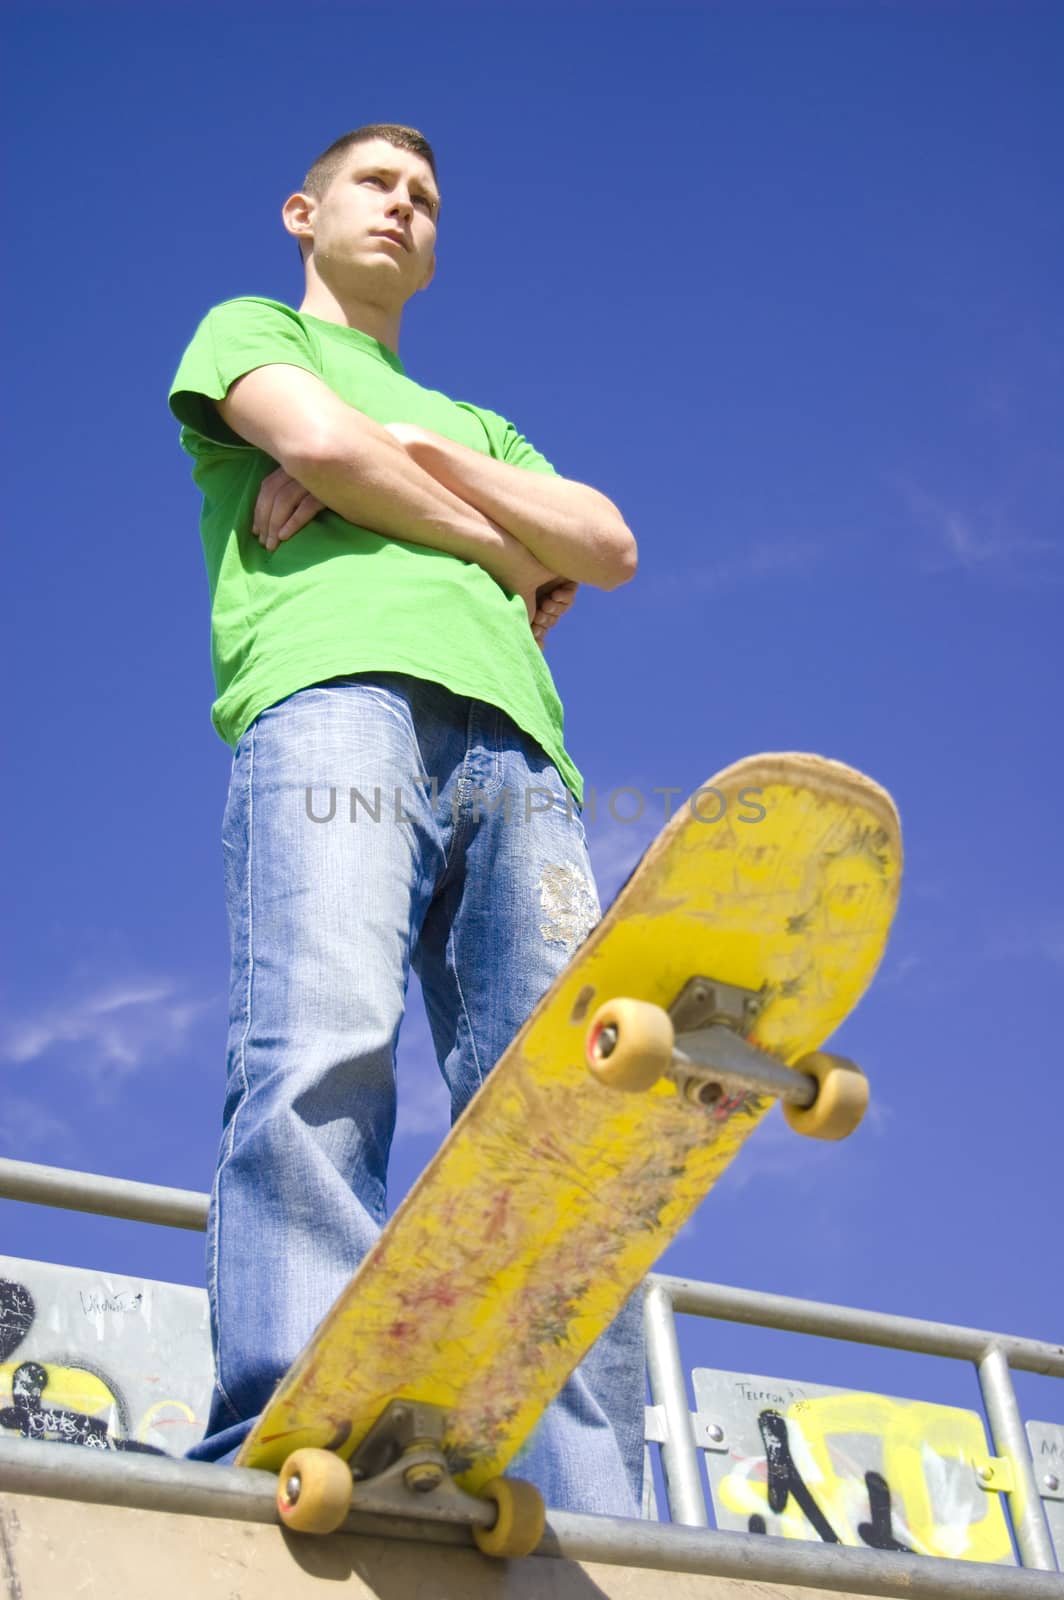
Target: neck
x,y
352,311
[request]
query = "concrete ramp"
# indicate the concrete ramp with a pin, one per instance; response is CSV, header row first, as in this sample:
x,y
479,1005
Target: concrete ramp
x,y
52,1548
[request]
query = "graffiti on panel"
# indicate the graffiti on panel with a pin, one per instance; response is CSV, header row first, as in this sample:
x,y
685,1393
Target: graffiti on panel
x,y
63,1398
811,1478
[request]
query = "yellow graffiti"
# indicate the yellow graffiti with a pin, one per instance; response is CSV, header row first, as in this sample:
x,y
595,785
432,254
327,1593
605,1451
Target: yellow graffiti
x,y
154,1417
927,1459
66,1389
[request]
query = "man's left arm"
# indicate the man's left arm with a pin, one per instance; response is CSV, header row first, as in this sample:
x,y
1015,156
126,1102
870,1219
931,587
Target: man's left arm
x,y
570,527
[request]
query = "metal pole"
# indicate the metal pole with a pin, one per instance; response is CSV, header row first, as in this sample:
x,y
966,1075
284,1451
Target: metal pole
x,y
679,1458
151,1483
759,1560
159,1483
107,1197
1006,1430
863,1327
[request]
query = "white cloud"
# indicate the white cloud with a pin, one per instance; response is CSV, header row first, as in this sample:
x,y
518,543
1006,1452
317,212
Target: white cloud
x,y
774,1150
757,560
982,540
615,846
1037,939
894,972
120,1027
36,1133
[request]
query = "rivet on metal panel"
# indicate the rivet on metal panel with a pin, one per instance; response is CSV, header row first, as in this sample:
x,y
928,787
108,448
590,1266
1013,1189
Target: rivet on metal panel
x,y
709,1435
995,1473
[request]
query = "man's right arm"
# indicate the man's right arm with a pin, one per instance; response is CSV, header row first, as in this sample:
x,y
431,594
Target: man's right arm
x,y
358,469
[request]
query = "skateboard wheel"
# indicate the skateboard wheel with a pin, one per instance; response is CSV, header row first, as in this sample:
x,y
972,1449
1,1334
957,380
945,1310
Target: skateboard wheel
x,y
841,1101
314,1491
520,1520
629,1044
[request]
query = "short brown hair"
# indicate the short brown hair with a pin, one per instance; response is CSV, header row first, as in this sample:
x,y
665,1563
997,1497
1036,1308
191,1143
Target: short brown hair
x,y
324,169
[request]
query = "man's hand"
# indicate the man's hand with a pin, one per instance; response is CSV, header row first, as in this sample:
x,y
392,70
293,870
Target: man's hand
x,y
522,527
282,508
552,602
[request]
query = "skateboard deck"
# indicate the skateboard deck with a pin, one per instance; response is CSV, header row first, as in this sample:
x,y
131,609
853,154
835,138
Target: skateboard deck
x,y
555,1193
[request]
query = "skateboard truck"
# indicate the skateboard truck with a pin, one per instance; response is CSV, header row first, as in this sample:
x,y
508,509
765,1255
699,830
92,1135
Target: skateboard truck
x,y
400,1469
703,1001
711,1020
699,1045
407,1432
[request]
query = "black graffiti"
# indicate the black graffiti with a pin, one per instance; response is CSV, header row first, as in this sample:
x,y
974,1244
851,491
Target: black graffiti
x,y
784,1479
94,1304
879,1533
35,1420
16,1316
786,1482
30,1413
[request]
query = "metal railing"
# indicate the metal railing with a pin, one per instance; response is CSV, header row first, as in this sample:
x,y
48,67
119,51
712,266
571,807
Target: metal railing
x,y
104,1197
688,1544
992,1354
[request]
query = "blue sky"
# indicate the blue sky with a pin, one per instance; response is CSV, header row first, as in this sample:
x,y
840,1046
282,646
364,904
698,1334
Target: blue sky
x,y
783,280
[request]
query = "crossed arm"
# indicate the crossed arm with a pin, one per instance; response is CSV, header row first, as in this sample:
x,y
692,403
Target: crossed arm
x,y
539,536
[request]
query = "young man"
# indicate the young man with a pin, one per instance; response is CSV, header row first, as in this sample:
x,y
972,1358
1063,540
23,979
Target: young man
x,y
384,564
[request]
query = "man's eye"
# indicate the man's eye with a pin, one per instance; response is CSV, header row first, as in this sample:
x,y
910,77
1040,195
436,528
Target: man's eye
x,y
423,200
372,178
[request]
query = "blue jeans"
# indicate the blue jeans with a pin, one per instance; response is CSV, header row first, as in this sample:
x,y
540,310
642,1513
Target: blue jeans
x,y
366,830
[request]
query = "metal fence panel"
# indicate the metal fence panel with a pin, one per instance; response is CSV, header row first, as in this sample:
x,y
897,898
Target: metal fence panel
x,y
1047,1452
807,1461
103,1361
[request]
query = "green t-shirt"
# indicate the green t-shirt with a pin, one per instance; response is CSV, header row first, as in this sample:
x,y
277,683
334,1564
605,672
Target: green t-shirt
x,y
338,598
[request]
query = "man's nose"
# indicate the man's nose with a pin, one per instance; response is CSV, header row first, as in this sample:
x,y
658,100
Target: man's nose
x,y
402,204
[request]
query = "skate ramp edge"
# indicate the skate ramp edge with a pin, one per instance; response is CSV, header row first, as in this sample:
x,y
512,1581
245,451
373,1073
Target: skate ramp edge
x,y
54,1547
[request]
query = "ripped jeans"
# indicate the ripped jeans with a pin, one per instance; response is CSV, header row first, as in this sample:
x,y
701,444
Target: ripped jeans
x,y
373,822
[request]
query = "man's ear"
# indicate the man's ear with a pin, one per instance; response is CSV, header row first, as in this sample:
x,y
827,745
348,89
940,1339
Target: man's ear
x,y
430,273
297,214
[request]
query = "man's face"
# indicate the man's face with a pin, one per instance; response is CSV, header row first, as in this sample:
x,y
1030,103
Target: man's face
x,y
376,221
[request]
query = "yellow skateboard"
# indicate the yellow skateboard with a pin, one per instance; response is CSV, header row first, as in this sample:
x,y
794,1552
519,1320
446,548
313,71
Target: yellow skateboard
x,y
749,930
